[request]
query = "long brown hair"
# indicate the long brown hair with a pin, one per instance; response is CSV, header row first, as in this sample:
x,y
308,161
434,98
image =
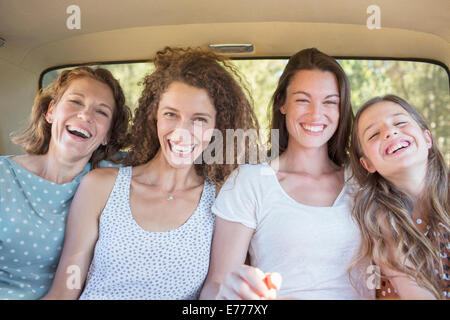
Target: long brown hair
x,y
313,59
379,202
35,139
201,69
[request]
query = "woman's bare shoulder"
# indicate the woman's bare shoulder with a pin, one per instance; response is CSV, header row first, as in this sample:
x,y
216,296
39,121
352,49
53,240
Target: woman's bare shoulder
x,y
99,180
102,174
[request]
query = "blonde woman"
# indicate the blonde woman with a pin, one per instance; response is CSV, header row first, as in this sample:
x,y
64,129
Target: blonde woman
x,y
76,122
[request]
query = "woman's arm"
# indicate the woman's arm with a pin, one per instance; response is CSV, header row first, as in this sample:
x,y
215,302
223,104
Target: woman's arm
x,y
228,278
81,234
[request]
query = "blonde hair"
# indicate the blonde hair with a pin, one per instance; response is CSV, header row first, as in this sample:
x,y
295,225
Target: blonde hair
x,y
378,202
35,139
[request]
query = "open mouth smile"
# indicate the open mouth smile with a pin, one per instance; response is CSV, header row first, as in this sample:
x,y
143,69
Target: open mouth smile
x,y
78,132
313,129
181,150
397,147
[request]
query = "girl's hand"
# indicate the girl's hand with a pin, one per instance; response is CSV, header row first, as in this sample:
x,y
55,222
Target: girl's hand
x,y
249,283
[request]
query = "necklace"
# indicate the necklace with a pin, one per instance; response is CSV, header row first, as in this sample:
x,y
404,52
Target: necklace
x,y
170,197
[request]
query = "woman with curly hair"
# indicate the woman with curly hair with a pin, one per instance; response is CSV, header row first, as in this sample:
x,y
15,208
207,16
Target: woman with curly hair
x,y
144,231
402,205
76,122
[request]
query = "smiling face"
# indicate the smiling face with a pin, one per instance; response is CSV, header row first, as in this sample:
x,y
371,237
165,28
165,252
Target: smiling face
x,y
391,139
81,118
185,120
311,108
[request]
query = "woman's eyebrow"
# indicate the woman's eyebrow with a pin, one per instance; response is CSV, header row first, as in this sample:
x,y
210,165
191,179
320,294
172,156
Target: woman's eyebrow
x,y
202,114
169,108
195,114
82,95
302,92
309,95
76,94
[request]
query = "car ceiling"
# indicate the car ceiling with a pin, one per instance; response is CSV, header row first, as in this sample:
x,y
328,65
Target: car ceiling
x,y
111,30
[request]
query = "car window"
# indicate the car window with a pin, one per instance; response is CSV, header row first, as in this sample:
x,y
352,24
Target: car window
x,y
424,85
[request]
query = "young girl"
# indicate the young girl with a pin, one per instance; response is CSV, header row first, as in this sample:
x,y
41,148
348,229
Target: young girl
x,y
76,122
402,206
144,231
293,215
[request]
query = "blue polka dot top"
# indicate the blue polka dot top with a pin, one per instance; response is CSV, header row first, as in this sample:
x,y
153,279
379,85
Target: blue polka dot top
x,y
33,214
132,263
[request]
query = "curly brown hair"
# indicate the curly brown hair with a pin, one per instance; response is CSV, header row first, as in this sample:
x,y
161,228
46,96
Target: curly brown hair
x,y
35,139
201,69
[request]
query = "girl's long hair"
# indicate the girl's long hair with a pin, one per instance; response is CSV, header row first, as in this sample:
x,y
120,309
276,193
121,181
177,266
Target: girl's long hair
x,y
379,204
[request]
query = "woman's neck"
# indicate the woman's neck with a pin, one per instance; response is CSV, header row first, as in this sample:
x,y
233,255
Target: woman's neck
x,y
314,161
53,167
159,172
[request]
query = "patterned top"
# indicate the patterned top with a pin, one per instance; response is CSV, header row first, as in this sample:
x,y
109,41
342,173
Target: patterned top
x,y
387,291
132,263
33,214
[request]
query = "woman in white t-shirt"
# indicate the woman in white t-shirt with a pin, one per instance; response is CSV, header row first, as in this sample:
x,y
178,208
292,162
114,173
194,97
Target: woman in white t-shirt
x,y
293,215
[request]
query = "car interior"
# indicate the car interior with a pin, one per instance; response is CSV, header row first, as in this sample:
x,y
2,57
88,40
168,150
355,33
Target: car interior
x,y
38,37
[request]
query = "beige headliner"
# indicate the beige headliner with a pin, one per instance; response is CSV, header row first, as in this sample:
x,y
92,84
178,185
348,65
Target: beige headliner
x,y
115,29
112,30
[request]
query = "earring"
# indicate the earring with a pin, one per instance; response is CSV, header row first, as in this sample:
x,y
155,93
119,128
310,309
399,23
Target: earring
x,y
48,118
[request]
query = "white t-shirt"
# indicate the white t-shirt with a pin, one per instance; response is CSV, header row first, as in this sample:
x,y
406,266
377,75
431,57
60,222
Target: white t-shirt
x,y
311,247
